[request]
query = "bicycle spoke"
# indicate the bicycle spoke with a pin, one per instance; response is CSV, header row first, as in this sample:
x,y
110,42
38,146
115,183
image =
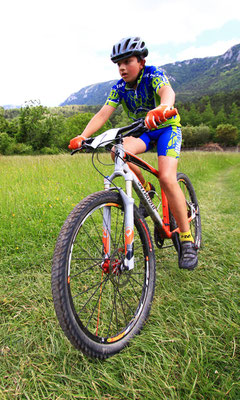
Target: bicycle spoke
x,y
87,290
91,240
87,269
105,281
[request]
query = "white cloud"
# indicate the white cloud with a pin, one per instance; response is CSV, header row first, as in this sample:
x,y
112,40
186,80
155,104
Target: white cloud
x,y
54,48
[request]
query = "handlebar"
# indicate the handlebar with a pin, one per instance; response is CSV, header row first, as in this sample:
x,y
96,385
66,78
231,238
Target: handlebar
x,y
134,129
171,113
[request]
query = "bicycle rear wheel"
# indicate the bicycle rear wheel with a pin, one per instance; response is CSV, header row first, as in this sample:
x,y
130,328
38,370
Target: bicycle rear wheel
x,y
192,209
100,305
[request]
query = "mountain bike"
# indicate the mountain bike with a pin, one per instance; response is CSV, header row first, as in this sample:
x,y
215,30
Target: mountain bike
x,y
103,273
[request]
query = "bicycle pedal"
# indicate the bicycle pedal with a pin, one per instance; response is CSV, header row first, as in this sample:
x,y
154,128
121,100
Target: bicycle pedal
x,y
159,237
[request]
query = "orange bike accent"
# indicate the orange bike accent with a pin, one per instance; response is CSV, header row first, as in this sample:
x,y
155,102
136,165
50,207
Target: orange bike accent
x,y
105,241
165,210
129,235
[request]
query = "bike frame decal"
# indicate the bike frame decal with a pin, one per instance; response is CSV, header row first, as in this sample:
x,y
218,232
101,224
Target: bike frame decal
x,y
140,163
129,235
165,211
106,240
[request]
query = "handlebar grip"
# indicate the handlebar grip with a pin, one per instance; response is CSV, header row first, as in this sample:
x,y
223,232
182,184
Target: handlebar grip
x,y
171,113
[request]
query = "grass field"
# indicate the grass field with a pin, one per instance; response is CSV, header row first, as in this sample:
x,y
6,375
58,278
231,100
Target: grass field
x,y
189,348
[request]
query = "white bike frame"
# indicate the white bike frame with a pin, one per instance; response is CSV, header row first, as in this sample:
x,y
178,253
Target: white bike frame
x,y
131,180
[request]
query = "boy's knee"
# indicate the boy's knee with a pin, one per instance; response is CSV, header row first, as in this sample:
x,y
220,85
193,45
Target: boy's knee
x,y
113,153
167,180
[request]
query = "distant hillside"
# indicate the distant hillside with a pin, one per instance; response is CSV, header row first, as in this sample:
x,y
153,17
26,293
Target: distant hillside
x,y
90,95
190,79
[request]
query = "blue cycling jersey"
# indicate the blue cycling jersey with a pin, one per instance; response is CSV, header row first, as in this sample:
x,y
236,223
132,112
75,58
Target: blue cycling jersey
x,y
137,102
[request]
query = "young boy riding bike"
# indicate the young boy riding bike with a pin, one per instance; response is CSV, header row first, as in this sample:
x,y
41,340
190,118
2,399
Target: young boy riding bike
x,y
146,91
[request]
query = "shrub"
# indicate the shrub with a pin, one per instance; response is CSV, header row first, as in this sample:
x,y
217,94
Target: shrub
x,y
194,136
20,148
227,134
49,150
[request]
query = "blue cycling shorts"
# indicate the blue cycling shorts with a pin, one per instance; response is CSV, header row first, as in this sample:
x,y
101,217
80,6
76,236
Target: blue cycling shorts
x,y
168,140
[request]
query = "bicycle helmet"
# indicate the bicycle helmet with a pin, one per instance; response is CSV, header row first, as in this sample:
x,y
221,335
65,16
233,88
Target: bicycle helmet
x,y
127,47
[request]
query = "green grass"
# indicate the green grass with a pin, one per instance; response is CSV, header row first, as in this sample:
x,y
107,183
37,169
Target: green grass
x,y
189,348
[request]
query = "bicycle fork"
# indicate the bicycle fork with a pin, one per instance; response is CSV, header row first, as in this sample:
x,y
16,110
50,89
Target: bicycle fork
x,y
128,202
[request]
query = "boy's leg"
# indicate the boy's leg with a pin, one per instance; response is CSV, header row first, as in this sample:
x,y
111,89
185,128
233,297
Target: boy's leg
x,y
138,146
135,146
167,167
168,181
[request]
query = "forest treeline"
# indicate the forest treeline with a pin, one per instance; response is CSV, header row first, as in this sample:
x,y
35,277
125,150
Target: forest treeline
x,y
35,129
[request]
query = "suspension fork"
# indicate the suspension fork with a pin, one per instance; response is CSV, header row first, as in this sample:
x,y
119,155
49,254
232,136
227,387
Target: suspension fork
x,y
129,222
106,238
128,203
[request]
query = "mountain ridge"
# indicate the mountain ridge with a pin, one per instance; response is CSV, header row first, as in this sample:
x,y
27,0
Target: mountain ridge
x,y
190,79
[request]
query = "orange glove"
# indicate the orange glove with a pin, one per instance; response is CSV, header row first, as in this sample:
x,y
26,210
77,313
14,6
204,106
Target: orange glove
x,y
156,116
76,142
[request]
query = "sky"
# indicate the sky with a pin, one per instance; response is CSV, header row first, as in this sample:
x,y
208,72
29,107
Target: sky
x,y
53,48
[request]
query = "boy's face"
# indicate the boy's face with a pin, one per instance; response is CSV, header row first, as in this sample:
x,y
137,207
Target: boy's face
x,y
129,68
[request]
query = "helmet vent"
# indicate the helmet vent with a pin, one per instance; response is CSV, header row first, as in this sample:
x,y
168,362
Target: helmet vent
x,y
126,44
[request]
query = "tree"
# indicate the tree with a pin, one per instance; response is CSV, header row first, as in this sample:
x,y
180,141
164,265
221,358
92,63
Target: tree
x,y
37,127
234,116
5,143
208,116
74,125
194,117
220,118
3,121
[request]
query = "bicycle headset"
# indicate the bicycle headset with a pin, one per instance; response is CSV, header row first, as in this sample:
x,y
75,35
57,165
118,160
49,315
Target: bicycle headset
x,y
128,47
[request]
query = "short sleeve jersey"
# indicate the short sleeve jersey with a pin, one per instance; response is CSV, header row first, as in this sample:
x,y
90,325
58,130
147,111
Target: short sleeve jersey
x,y
137,102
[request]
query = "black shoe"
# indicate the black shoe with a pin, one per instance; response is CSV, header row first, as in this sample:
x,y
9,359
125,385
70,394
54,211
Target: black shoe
x,y
188,258
141,208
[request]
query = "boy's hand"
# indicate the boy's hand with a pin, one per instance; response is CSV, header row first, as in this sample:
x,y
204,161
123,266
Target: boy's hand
x,y
76,142
156,116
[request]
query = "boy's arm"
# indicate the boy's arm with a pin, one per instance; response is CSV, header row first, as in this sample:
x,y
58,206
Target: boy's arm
x,y
167,96
94,124
98,120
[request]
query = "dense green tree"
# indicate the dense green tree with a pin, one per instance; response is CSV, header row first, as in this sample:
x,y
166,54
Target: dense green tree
x,y
3,121
37,127
220,118
208,116
194,117
73,126
5,143
234,116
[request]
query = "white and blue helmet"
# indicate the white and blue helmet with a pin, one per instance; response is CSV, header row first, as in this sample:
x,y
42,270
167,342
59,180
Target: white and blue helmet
x,y
128,47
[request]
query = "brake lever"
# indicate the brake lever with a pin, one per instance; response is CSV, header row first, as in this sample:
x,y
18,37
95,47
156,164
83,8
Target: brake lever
x,y
83,147
75,151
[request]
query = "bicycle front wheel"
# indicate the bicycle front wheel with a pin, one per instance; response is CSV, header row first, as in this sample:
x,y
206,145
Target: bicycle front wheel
x,y
99,304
